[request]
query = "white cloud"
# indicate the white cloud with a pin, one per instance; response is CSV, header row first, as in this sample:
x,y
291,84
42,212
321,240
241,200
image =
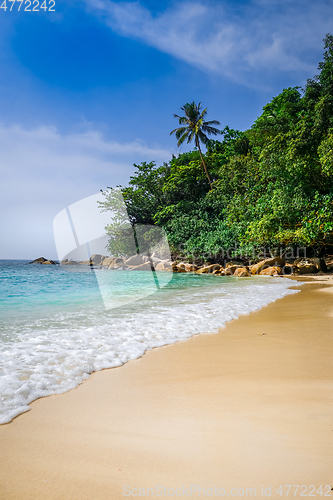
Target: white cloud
x,y
239,42
43,171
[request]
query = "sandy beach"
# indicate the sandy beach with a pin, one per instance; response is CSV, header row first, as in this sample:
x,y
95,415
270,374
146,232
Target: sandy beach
x,y
249,407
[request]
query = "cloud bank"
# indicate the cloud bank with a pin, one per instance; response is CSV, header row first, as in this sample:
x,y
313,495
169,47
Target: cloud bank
x,y
240,42
43,171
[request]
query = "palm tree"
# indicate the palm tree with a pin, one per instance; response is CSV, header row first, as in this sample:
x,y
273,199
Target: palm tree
x,y
194,127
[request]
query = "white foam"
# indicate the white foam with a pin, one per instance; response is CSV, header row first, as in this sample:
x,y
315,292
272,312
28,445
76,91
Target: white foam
x,y
53,359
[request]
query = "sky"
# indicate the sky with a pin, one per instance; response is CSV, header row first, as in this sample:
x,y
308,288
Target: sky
x,y
90,88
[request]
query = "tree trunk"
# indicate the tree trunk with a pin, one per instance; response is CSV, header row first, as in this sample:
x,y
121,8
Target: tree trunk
x,y
204,164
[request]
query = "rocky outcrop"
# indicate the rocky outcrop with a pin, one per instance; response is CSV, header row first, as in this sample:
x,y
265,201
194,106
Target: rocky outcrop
x,y
67,262
116,263
163,265
135,260
191,268
209,269
234,263
97,259
40,260
305,267
271,271
231,269
143,267
242,272
274,261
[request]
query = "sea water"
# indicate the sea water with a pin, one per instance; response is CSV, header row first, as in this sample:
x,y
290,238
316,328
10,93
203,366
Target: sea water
x,y
55,330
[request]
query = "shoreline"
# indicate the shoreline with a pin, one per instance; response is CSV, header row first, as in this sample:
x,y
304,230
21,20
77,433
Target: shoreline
x,y
234,409
115,341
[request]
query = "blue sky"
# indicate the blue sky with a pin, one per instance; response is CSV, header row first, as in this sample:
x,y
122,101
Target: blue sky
x,y
91,88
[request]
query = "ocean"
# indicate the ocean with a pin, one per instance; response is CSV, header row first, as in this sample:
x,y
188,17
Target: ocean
x,y
55,330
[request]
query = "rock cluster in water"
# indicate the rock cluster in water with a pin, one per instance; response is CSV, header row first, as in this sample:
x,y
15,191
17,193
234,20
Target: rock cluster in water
x,y
42,260
274,266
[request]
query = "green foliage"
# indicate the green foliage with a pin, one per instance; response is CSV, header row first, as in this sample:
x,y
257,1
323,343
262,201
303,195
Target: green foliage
x,y
272,184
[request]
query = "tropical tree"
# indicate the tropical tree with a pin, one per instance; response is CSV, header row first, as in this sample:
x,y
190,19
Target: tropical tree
x,y
194,127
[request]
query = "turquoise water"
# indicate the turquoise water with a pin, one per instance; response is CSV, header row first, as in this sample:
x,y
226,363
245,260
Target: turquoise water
x,y
55,329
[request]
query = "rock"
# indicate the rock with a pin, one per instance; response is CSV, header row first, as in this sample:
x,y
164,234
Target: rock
x,y
233,263
116,262
107,261
85,262
271,271
185,266
288,269
49,262
114,266
274,261
306,268
242,272
135,260
176,269
231,269
163,265
67,262
209,269
190,268
40,260
97,258
143,267
320,265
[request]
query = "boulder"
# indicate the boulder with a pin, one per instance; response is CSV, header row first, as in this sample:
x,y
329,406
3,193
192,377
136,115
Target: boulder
x,y
108,260
116,262
135,260
176,269
190,268
67,262
114,266
288,269
85,262
231,269
242,272
306,268
164,265
233,263
274,261
40,260
320,265
143,267
97,258
271,271
209,269
49,262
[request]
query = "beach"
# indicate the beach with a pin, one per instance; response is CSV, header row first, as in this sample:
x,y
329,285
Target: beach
x,y
247,408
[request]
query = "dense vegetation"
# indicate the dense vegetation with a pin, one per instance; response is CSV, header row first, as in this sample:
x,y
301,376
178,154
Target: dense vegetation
x,y
272,184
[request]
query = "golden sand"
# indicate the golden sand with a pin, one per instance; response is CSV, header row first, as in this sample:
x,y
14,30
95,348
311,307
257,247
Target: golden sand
x,y
249,407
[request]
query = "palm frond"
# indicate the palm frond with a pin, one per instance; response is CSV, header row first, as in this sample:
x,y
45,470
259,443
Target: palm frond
x,y
190,136
203,138
177,130
210,130
181,140
202,114
212,122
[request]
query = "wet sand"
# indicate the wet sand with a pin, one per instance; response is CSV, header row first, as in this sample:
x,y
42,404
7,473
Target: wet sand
x,y
249,407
